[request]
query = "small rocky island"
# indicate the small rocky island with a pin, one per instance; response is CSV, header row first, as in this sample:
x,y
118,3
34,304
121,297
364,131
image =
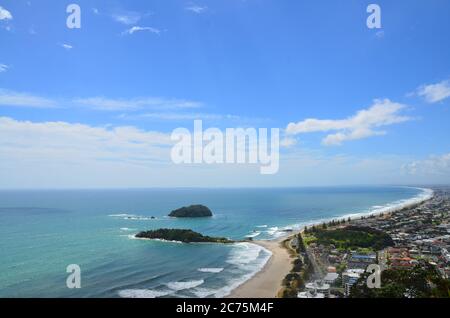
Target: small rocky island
x,y
185,236
193,211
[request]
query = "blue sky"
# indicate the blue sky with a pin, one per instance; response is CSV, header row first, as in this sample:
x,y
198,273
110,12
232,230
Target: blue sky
x,y
73,103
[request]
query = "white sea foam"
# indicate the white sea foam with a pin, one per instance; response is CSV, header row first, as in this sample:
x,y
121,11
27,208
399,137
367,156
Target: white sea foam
x,y
166,241
143,293
249,259
133,237
203,292
140,218
184,285
262,226
252,235
425,195
210,270
276,232
132,217
122,215
244,253
272,230
126,229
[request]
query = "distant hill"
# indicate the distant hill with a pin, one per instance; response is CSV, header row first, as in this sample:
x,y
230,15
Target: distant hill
x,y
185,236
193,211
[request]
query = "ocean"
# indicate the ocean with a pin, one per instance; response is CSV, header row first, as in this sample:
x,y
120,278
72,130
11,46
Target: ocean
x,y
42,232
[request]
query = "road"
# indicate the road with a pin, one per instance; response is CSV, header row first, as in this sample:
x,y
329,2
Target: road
x,y
318,273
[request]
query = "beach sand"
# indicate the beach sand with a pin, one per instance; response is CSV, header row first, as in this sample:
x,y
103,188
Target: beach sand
x,y
267,282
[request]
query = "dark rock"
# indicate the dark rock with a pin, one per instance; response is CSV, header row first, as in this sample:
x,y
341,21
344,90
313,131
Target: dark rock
x,y
193,211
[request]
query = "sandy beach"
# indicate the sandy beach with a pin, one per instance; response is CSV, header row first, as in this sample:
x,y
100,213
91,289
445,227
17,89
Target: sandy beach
x,y
267,282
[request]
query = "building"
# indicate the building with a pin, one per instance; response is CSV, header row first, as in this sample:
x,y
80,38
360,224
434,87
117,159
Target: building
x,y
349,278
320,287
400,258
402,263
331,269
361,260
330,278
307,294
445,255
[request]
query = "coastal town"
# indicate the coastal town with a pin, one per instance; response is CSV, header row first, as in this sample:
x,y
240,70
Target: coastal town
x,y
410,247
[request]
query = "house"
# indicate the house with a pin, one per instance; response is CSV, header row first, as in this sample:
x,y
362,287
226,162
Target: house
x,y
330,278
361,260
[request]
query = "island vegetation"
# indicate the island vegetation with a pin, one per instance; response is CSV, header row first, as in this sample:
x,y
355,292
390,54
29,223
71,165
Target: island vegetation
x,y
179,235
193,211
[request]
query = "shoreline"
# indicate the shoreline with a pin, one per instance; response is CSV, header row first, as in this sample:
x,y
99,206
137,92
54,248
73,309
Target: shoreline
x,y
267,282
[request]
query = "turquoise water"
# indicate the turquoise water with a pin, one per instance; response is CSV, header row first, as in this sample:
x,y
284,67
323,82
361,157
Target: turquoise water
x,y
41,232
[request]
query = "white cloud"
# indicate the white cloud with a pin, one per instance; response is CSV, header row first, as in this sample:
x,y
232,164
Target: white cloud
x,y
171,116
5,14
3,68
67,155
107,104
67,46
380,34
73,142
288,142
135,29
359,126
316,168
196,9
11,98
127,18
435,92
433,165
62,154
95,10
359,133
